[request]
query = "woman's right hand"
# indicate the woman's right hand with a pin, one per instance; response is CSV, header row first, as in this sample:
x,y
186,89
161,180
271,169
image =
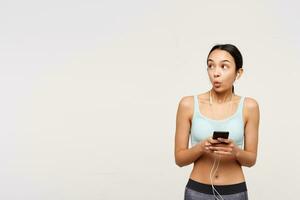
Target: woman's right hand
x,y
205,144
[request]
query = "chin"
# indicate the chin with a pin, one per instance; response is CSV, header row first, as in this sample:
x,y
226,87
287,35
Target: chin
x,y
219,89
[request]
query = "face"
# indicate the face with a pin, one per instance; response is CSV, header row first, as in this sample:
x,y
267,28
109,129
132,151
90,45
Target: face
x,y
221,70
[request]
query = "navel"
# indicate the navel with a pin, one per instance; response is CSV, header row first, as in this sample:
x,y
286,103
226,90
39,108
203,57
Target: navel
x,y
216,175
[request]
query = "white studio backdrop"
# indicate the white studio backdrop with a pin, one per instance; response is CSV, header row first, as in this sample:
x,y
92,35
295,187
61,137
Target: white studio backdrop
x,y
90,89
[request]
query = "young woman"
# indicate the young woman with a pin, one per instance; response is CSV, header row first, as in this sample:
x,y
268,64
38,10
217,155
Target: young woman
x,y
217,171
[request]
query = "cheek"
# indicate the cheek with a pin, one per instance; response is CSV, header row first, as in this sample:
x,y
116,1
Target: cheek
x,y
210,75
229,77
228,80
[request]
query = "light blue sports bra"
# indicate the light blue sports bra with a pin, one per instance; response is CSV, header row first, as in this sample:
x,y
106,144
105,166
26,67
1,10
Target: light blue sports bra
x,y
203,127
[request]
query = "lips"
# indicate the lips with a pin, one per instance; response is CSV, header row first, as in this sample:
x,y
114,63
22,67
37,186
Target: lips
x,y
217,83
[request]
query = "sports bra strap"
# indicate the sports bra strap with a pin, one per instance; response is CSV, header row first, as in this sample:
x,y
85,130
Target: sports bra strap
x,y
196,104
197,111
241,104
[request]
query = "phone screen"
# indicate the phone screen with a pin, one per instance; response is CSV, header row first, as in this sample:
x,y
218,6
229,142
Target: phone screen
x,y
220,134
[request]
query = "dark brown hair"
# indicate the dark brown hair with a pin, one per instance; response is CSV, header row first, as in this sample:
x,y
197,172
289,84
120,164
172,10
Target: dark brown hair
x,y
233,51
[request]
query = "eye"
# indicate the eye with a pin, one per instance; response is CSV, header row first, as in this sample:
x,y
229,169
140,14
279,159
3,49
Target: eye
x,y
224,66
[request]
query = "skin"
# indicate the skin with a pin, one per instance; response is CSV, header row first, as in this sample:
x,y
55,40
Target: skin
x,y
221,67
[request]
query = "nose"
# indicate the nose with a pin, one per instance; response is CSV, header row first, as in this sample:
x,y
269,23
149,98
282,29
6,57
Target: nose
x,y
217,72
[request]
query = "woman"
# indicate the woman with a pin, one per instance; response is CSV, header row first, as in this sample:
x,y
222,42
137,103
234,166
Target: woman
x,y
217,171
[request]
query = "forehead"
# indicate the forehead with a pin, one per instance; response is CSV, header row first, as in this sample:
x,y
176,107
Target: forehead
x,y
220,56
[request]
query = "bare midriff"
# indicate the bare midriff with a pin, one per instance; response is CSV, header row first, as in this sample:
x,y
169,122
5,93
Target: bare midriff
x,y
228,172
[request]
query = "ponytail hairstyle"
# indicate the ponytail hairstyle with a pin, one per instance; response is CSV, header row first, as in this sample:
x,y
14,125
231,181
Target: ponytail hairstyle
x,y
234,52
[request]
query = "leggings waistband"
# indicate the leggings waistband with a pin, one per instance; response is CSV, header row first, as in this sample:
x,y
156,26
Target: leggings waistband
x,y
222,189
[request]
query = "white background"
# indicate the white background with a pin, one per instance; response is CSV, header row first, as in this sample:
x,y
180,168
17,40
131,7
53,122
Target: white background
x,y
90,89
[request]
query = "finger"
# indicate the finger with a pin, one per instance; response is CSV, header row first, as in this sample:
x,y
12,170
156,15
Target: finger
x,y
221,149
220,145
213,141
207,143
208,150
222,153
221,139
223,144
224,140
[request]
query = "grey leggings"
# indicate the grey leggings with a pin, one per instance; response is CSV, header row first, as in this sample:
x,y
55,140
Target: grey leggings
x,y
199,191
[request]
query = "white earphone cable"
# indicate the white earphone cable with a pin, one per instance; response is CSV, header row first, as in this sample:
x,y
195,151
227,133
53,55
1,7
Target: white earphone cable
x,y
212,173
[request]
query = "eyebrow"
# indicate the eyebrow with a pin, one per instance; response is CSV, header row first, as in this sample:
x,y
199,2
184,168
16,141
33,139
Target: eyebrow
x,y
221,60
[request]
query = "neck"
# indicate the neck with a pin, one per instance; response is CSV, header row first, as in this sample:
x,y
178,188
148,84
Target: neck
x,y
221,97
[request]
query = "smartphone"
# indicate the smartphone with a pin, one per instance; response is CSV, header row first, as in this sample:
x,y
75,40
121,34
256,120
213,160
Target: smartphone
x,y
220,134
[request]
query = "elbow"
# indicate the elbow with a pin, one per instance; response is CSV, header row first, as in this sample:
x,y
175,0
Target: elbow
x,y
180,159
178,162
251,163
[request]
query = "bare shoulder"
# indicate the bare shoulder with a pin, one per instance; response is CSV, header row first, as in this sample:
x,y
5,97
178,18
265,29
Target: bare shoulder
x,y
186,103
251,109
186,106
251,104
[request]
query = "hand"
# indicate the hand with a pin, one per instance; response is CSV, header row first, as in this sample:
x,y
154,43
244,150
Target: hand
x,y
209,142
225,147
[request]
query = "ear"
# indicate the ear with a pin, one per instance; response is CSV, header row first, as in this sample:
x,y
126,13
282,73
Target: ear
x,y
239,73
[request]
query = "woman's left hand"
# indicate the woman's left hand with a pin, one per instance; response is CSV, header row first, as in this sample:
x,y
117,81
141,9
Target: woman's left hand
x,y
227,147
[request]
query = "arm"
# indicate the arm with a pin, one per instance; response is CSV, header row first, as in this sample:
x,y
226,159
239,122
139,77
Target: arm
x,y
183,155
247,157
